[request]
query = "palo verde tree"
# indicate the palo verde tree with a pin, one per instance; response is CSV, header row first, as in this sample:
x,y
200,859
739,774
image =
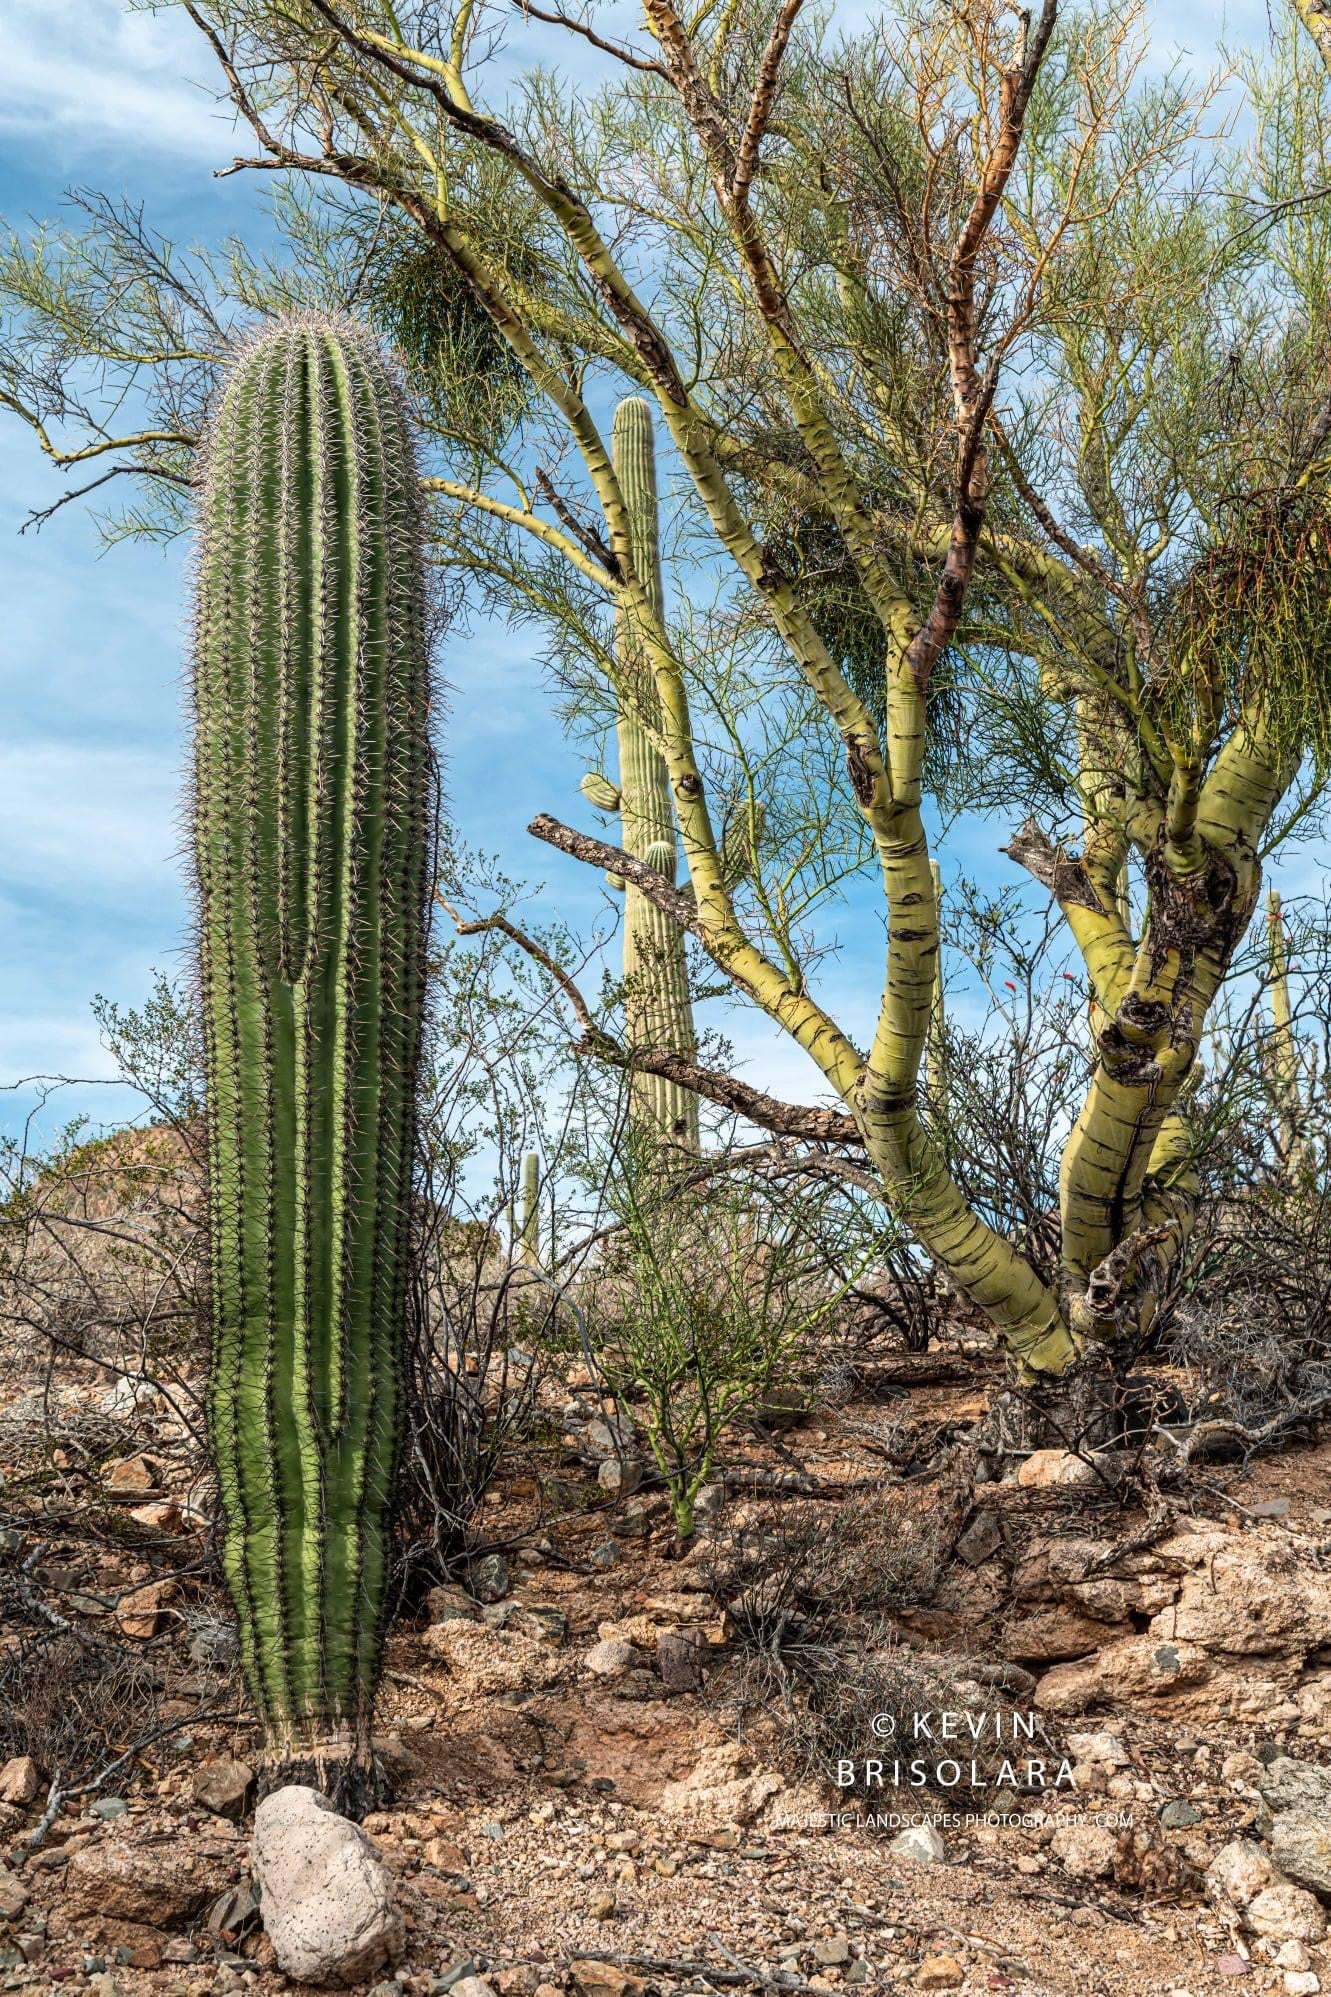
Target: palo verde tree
x,y
993,390
312,820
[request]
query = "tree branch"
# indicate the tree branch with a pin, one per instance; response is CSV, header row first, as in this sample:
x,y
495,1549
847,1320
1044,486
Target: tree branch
x,y
814,1126
613,860
783,1119
972,397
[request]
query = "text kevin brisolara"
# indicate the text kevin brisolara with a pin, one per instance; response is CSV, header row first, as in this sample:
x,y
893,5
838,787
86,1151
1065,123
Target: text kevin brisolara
x,y
928,1770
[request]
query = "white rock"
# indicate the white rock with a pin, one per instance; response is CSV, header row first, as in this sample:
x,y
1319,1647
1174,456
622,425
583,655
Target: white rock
x,y
1085,1851
1106,1750
1286,1913
1056,1466
920,1842
1238,1873
472,1986
20,1780
127,1395
327,1902
1292,1955
611,1658
483,1661
1302,1982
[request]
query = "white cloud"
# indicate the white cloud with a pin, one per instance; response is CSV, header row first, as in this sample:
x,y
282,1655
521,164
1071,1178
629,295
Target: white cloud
x,y
88,74
80,822
40,1044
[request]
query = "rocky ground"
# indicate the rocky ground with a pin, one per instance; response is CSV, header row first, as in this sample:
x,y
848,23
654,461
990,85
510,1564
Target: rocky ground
x,y
596,1788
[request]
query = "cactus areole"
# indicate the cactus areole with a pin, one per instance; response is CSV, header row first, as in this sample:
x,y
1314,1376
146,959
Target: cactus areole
x,y
312,834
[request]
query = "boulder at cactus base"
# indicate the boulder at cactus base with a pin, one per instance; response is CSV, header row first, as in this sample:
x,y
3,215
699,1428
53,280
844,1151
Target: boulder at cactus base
x,y
327,1902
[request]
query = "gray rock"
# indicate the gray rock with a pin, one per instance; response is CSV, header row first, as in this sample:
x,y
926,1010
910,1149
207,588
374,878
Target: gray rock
x,y
328,1904
680,1655
235,1911
454,1974
489,1579
981,1540
1301,1847
604,1556
108,1808
1179,1815
620,1474
631,1523
601,1439
1286,1784
832,1952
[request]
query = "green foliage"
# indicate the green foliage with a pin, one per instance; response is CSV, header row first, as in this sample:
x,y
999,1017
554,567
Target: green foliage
x,y
710,1300
1250,626
466,375
312,836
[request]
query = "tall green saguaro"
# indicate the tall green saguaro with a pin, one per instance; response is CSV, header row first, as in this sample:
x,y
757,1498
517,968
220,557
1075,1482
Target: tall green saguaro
x,y
657,1008
312,833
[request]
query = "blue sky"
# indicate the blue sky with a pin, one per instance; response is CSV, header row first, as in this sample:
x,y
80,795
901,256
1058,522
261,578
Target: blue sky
x,y
92,729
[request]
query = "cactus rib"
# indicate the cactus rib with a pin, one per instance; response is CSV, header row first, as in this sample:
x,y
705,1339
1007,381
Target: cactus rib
x,y
658,1011
312,834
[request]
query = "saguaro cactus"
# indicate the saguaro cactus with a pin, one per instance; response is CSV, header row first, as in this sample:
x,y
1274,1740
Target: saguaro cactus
x,y
312,821
1284,1056
529,1227
658,1012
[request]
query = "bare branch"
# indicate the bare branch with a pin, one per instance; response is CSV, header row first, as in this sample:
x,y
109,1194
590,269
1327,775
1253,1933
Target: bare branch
x,y
596,853
815,1126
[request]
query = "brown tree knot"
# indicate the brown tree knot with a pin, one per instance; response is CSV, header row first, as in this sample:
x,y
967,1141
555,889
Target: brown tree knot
x,y
861,776
1063,874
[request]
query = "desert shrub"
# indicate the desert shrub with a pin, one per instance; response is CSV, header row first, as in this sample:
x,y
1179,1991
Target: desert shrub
x,y
710,1298
70,1705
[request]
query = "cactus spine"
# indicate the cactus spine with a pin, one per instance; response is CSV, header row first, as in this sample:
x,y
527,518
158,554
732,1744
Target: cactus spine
x,y
312,823
658,1012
